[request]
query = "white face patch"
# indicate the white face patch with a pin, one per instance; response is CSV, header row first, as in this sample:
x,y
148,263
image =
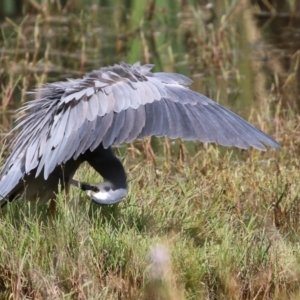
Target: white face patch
x,y
108,197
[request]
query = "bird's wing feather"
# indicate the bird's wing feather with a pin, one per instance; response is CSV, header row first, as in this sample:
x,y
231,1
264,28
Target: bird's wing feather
x,y
115,105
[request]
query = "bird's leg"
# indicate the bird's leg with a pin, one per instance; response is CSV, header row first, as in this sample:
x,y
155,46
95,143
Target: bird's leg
x,y
52,209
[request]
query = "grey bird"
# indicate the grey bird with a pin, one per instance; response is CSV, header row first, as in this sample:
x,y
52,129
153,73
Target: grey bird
x,y
80,119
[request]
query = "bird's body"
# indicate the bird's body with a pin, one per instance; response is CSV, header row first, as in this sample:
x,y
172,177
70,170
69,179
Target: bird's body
x,y
39,189
78,120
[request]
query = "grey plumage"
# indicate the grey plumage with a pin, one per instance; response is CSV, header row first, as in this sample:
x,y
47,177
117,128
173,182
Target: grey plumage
x,y
111,106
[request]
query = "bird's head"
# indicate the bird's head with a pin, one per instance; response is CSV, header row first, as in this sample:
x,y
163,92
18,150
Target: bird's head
x,y
105,193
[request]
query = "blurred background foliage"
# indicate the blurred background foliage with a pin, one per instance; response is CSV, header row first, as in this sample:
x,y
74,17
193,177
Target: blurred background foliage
x,y
241,53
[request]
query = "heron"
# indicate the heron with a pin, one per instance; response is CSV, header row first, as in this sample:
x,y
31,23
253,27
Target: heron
x,y
79,120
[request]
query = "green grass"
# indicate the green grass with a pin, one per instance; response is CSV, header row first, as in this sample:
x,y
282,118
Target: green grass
x,y
210,230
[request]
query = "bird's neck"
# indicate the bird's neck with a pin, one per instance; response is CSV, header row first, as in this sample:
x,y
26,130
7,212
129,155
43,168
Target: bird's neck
x,y
108,166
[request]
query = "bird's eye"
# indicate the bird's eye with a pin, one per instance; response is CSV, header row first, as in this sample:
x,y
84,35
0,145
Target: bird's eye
x,y
107,188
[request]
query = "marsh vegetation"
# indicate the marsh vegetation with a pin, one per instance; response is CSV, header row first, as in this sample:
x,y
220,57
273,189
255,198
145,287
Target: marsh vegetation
x,y
200,221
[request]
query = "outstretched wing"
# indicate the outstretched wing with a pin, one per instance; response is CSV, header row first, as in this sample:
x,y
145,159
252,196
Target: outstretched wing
x,y
115,105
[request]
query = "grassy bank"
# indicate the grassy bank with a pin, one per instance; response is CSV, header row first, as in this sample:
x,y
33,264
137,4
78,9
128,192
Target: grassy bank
x,y
223,226
200,221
